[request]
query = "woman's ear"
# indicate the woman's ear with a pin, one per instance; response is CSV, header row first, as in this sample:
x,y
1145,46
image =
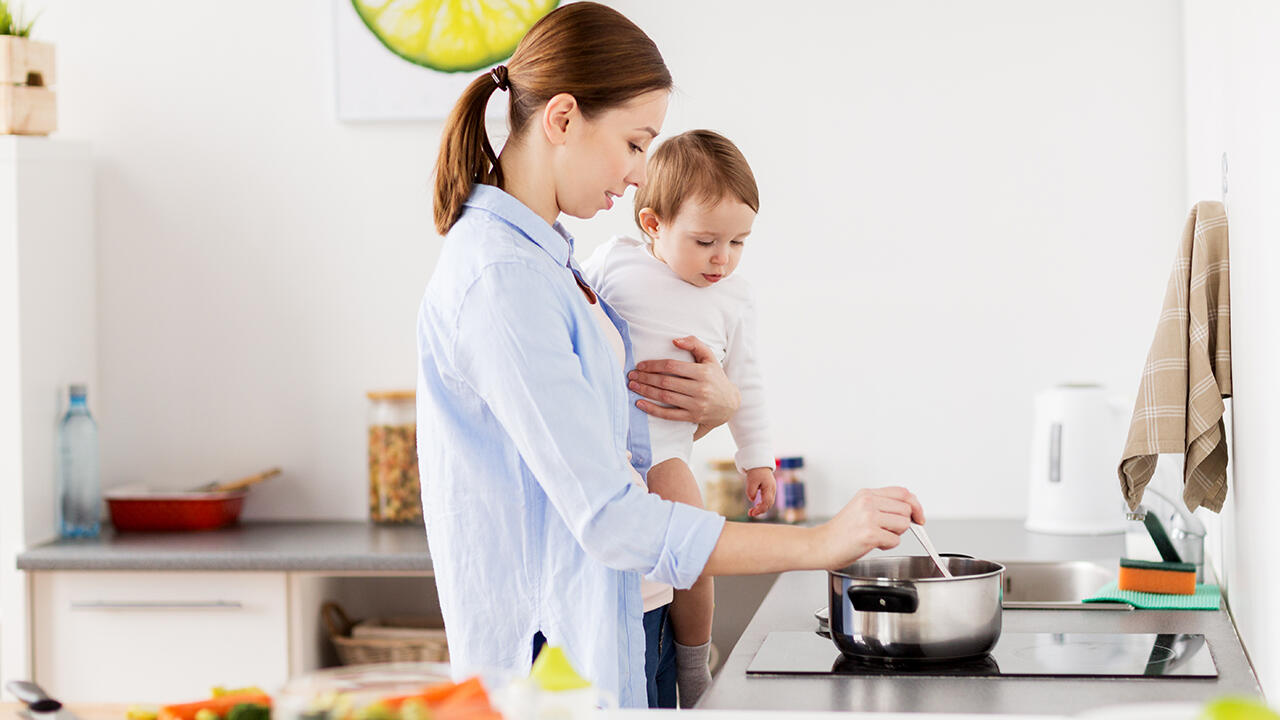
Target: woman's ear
x,y
559,113
650,223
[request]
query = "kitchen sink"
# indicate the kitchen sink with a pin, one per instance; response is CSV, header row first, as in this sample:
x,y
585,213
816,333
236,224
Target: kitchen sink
x,y
1030,585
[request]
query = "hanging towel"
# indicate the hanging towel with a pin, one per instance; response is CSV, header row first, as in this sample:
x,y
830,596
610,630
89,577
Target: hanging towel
x,y
1188,371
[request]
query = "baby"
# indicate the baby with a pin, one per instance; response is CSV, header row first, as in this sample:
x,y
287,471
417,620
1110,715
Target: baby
x,y
695,212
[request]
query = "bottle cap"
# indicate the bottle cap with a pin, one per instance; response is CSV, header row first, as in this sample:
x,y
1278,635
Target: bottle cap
x,y
790,463
78,390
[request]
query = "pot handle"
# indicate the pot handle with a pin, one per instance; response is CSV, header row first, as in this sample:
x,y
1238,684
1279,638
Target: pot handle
x,y
883,598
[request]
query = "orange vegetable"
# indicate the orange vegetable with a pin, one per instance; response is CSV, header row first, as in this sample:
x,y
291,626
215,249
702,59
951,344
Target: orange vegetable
x,y
466,699
221,705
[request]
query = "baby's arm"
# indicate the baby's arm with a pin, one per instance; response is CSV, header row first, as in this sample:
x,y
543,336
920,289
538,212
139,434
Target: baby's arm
x,y
750,425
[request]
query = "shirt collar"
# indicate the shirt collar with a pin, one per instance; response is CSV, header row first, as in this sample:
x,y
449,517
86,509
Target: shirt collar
x,y
554,239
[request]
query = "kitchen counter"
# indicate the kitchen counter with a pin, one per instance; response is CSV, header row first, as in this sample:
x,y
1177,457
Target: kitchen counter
x,y
332,546
794,598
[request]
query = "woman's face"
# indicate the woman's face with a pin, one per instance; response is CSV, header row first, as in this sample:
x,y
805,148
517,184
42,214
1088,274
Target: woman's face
x,y
704,242
605,154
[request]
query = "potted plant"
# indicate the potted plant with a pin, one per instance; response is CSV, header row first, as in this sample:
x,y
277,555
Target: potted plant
x,y
27,105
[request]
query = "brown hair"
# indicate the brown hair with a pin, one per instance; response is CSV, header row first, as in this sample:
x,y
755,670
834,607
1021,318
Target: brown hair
x,y
698,164
585,49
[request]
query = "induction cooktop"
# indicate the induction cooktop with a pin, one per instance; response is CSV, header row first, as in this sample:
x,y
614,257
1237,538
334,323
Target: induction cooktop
x,y
1128,655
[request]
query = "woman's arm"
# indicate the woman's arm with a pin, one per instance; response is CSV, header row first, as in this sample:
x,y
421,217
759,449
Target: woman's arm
x,y
699,391
872,519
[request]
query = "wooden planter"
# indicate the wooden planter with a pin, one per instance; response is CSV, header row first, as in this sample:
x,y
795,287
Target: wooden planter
x,y
27,105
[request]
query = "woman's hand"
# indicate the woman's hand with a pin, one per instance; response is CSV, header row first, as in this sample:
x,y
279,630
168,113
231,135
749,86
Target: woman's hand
x,y
872,519
699,391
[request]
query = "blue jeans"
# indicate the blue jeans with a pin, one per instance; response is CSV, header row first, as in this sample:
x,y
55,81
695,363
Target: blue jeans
x,y
659,657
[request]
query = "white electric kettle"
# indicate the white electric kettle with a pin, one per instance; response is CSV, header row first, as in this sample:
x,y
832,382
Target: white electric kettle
x,y
1079,435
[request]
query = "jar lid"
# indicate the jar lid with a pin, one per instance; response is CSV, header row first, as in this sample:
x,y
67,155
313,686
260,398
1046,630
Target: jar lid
x,y
722,465
391,394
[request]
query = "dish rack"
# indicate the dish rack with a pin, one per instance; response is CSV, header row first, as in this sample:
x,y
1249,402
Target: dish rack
x,y
384,640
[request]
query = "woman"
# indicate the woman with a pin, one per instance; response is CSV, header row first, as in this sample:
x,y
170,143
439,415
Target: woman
x,y
529,444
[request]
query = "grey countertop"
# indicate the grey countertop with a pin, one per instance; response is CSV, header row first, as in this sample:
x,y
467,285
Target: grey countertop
x,y
332,546
794,598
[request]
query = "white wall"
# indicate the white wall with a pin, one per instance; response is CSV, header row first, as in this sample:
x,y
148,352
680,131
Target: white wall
x,y
1233,70
962,203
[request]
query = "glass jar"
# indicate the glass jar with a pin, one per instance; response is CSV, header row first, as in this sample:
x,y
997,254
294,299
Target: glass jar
x,y
394,493
725,494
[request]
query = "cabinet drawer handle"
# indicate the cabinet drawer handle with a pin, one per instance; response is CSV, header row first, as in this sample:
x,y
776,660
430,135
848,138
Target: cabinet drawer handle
x,y
211,605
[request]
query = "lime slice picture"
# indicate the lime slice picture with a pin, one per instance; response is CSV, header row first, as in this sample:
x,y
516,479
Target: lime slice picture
x,y
452,35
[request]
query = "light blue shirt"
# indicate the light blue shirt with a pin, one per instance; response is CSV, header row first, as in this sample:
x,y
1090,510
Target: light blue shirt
x,y
524,422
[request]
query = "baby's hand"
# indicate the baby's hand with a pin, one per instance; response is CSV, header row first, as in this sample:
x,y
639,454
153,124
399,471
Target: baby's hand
x,y
761,490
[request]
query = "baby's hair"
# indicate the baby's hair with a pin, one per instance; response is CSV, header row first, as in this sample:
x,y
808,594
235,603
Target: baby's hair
x,y
695,165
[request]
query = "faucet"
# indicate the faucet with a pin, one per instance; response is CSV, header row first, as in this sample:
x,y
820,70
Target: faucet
x,y
1178,535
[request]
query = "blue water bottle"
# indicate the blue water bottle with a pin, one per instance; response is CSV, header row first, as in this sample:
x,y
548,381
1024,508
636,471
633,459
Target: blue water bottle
x,y
79,500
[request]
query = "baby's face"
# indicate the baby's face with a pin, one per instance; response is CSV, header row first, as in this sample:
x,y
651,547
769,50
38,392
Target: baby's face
x,y
704,242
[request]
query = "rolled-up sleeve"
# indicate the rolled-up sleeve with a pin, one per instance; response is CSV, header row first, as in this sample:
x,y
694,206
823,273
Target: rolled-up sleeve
x,y
515,347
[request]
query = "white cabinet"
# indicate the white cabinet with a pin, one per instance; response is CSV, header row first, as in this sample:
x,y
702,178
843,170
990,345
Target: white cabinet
x,y
48,338
158,636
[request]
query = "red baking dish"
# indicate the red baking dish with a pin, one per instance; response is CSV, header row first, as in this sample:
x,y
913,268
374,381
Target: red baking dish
x,y
155,511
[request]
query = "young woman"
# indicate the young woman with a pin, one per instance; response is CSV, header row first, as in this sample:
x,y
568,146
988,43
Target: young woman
x,y
530,446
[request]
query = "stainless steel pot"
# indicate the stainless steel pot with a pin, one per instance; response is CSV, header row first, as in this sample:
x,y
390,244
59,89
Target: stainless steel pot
x,y
902,608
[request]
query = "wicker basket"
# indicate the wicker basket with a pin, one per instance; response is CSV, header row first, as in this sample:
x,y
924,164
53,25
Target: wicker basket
x,y
404,639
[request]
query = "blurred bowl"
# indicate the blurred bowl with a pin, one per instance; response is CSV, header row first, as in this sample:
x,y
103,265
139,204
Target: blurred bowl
x,y
152,511
339,691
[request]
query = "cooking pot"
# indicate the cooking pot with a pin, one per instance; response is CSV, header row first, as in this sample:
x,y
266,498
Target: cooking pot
x,y
902,608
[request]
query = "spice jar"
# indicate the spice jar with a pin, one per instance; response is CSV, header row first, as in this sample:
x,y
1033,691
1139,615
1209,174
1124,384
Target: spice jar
x,y
790,477
725,494
394,492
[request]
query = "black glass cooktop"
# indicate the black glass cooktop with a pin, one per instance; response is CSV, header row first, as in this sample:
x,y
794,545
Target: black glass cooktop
x,y
1180,656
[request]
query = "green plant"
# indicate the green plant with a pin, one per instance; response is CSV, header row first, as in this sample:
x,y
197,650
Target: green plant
x,y
12,23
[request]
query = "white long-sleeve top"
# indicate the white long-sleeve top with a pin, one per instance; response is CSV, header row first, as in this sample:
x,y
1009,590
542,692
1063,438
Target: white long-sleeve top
x,y
660,307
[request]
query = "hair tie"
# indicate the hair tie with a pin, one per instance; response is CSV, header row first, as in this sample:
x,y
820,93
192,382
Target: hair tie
x,y
499,75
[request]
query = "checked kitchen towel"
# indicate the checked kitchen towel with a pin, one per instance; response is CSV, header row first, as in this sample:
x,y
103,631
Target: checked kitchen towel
x,y
1188,371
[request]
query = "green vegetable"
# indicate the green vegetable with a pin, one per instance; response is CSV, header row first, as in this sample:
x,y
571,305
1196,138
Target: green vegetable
x,y
1238,708
376,711
141,712
414,709
249,711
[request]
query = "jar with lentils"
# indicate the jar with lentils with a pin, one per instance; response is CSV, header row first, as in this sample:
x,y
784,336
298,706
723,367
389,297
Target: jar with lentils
x,y
724,492
394,492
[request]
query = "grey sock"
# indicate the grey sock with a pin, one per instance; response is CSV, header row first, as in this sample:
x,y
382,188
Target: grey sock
x,y
693,675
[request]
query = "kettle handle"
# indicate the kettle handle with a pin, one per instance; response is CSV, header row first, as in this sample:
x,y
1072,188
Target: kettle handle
x,y
1055,452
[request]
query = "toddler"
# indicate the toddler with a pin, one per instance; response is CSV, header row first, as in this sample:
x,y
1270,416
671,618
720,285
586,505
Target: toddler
x,y
695,212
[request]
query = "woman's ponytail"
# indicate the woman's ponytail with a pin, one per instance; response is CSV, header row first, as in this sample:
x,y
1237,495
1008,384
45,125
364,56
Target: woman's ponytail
x,y
466,157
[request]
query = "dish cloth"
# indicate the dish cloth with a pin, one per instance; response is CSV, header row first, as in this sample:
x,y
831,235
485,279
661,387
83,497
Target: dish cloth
x,y
1206,597
1188,371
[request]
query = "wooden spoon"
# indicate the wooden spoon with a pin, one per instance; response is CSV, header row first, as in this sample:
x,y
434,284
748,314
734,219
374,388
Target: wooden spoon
x,y
244,482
